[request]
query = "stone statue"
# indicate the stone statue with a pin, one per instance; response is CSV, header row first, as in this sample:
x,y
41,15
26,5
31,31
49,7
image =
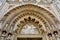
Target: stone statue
x,y
3,36
57,37
9,37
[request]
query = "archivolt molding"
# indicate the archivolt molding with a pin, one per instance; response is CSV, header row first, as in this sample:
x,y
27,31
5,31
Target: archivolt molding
x,y
44,17
29,20
16,9
12,11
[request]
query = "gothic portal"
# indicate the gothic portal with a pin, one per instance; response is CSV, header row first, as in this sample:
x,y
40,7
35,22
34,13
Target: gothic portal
x,y
29,22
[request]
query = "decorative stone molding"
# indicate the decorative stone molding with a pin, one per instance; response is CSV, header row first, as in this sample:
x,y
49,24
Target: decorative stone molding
x,y
26,13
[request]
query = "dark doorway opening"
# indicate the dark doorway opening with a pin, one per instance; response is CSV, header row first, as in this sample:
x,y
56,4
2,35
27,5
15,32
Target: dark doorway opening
x,y
29,38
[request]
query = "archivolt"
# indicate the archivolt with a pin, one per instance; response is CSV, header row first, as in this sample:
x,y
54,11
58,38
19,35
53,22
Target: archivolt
x,y
17,13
